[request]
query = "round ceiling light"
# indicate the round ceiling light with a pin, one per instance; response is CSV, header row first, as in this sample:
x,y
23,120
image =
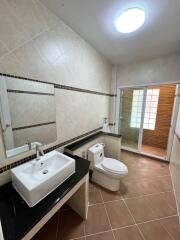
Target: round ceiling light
x,y
130,20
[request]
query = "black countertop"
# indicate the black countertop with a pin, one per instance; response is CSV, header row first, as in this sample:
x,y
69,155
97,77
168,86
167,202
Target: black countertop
x,y
72,147
17,219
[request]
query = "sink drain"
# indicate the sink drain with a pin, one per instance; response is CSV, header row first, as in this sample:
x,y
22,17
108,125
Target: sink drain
x,y
45,172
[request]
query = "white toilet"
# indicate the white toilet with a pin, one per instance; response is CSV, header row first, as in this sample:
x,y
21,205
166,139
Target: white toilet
x,y
107,172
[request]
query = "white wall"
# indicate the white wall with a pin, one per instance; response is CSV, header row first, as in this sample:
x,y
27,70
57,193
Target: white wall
x,y
160,70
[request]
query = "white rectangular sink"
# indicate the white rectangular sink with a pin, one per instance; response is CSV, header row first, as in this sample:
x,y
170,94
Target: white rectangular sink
x,y
36,179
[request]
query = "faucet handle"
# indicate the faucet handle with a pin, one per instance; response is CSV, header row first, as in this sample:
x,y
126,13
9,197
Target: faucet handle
x,y
38,144
39,150
29,144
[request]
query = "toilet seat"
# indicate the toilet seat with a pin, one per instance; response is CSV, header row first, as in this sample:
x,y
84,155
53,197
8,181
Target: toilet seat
x,y
114,166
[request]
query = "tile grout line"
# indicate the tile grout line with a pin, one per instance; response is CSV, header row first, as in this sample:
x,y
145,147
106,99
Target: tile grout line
x,y
134,220
173,188
135,224
48,28
127,198
107,215
93,234
145,179
150,194
157,219
167,231
57,230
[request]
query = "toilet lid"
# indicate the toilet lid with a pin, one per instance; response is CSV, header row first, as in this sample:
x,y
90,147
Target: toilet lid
x,y
114,165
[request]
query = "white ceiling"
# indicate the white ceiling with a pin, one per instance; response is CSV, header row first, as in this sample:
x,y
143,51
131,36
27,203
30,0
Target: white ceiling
x,y
94,21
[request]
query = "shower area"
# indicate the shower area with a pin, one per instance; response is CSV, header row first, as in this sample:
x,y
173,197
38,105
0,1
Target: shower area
x,y
145,119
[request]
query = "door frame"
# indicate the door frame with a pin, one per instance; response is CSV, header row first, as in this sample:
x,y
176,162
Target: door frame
x,y
173,118
5,115
142,120
118,117
173,121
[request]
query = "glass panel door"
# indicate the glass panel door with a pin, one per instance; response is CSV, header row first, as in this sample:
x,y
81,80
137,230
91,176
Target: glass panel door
x,y
131,116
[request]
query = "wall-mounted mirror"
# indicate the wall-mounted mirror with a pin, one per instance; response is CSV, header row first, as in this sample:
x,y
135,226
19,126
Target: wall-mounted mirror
x,y
27,111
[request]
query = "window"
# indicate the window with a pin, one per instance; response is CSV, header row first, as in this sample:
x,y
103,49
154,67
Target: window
x,y
151,109
136,108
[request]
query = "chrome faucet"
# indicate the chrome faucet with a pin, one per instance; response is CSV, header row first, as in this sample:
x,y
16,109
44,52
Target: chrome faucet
x,y
39,151
29,144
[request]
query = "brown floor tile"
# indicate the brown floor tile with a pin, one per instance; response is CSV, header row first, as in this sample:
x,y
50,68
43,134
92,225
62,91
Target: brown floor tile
x,y
172,225
142,167
49,230
151,207
97,220
170,198
129,233
94,195
101,236
162,184
162,205
109,195
71,225
118,214
140,209
136,189
154,231
161,152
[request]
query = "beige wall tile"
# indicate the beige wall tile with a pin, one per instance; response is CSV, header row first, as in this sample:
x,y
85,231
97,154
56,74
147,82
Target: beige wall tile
x,y
112,147
83,151
43,134
35,18
12,32
3,49
112,109
44,48
9,64
78,113
30,59
25,85
160,70
30,109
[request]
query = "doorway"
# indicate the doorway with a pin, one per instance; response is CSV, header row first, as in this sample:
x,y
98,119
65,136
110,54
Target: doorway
x,y
145,119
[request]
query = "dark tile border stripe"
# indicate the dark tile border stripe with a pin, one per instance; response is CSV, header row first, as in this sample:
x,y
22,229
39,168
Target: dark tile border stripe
x,y
24,160
32,126
112,124
82,90
28,92
60,86
24,78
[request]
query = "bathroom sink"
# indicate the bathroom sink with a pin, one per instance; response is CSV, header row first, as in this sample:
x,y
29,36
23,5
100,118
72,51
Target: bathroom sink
x,y
36,179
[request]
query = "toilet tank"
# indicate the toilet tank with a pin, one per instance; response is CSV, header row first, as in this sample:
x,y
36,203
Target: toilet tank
x,y
95,154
